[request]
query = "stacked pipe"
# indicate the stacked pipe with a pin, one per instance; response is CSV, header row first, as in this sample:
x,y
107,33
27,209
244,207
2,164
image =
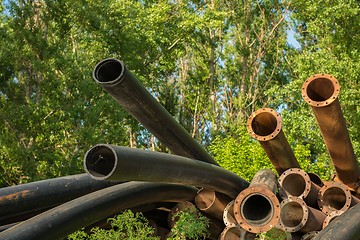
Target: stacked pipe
x,y
297,204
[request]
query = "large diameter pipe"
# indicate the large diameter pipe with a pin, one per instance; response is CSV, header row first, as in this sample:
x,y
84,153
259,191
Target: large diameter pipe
x,y
211,202
265,125
334,196
257,208
297,183
23,201
111,162
228,215
128,91
297,216
59,222
321,92
344,227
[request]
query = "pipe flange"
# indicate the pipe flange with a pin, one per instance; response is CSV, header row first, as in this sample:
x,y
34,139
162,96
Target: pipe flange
x,y
331,217
264,124
316,84
294,182
228,215
294,214
248,212
334,196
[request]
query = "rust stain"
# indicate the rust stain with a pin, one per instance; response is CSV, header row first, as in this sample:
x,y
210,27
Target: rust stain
x,y
15,196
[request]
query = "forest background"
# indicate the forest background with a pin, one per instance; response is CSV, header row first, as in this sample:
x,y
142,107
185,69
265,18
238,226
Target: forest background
x,y
209,63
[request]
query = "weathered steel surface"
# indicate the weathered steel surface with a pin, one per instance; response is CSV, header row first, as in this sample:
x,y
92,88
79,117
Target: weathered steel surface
x,y
111,162
211,202
128,91
265,125
321,92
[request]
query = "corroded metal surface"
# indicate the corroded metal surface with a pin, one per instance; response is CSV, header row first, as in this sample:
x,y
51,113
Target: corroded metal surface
x,y
257,208
265,125
211,202
321,92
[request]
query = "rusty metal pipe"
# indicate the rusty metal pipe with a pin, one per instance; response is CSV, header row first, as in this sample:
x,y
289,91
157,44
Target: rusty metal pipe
x,y
297,183
344,227
128,91
297,216
59,222
331,217
111,162
211,202
265,125
257,208
26,200
334,196
321,92
235,232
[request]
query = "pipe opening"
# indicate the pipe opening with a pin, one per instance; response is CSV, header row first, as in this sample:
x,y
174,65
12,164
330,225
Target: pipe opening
x,y
292,214
100,161
108,70
334,198
264,124
320,89
294,184
257,209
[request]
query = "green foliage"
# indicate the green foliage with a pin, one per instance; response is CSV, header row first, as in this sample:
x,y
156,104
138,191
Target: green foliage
x,y
190,224
127,226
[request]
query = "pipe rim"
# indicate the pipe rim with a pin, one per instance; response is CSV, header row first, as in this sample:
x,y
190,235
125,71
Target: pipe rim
x,y
273,216
328,186
330,98
232,228
228,215
92,161
271,113
331,217
101,71
294,172
309,235
305,214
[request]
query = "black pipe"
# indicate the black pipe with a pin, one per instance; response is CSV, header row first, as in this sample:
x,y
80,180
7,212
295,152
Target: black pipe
x,y
344,227
128,91
110,162
59,222
23,201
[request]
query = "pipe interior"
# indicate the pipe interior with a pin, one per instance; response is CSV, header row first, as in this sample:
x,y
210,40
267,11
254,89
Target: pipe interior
x,y
100,161
334,197
294,184
320,89
291,214
109,70
257,209
264,124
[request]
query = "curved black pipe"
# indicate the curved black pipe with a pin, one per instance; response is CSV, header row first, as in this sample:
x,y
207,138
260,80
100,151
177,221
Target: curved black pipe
x,y
128,91
23,201
110,162
344,227
59,222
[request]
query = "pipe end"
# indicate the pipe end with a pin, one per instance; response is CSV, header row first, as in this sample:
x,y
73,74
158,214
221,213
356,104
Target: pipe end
x,y
294,214
294,182
100,161
320,90
257,209
264,124
334,196
109,71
